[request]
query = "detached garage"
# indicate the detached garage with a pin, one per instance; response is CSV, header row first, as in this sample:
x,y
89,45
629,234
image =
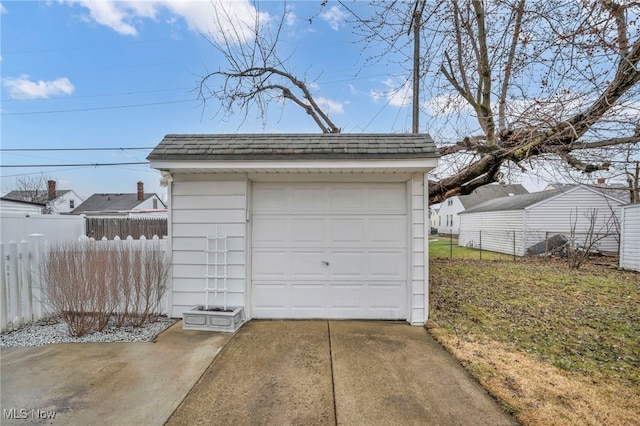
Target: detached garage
x,y
313,226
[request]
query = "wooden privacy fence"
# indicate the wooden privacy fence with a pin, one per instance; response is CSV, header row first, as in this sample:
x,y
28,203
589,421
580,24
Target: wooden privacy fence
x,y
21,299
98,227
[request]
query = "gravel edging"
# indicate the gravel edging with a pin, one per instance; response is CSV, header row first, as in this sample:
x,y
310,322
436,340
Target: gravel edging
x,y
49,331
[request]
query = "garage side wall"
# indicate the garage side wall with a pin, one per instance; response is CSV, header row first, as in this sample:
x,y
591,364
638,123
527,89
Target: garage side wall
x,y
418,283
630,237
198,203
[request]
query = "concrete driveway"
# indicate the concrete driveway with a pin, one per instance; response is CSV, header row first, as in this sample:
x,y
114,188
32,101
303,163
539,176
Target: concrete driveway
x,y
268,373
336,372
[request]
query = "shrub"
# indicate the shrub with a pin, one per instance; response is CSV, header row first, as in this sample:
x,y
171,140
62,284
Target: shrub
x,y
89,282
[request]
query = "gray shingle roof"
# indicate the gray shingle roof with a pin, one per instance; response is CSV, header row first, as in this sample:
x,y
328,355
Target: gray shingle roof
x,y
38,196
318,146
110,203
489,192
517,202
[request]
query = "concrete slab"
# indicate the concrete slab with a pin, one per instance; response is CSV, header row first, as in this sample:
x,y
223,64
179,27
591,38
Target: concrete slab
x,y
104,383
337,372
392,373
271,372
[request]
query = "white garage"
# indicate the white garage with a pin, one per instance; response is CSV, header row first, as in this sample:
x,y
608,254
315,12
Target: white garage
x,y
314,226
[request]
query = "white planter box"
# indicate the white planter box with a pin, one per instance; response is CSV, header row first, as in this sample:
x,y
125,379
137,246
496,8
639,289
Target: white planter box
x,y
228,321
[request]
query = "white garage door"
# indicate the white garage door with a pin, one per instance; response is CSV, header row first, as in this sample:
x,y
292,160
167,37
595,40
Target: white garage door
x,y
332,250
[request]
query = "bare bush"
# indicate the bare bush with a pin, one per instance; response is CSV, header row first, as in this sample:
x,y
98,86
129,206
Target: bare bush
x,y
595,231
87,283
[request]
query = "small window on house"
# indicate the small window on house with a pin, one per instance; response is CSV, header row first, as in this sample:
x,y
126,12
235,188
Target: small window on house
x,y
72,204
155,203
439,220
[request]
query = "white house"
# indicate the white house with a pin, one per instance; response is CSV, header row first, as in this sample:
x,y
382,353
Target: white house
x,y
514,225
314,225
448,219
630,237
55,201
136,204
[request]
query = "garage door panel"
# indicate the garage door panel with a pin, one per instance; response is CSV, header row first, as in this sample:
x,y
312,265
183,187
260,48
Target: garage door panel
x,y
270,264
307,264
270,199
309,200
387,264
307,231
347,264
271,297
269,231
387,296
348,296
387,231
347,199
387,199
346,231
308,296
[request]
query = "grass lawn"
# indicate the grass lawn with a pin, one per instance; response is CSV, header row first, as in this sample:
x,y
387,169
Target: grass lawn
x,y
444,247
553,345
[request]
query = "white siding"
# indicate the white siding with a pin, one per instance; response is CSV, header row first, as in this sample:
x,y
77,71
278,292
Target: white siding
x,y
418,282
449,219
198,204
556,215
496,229
630,237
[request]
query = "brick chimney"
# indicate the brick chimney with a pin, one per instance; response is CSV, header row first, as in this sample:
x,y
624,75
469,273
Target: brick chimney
x,y
51,189
140,191
601,181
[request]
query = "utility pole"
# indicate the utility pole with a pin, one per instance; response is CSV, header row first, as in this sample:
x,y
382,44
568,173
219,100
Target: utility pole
x,y
417,17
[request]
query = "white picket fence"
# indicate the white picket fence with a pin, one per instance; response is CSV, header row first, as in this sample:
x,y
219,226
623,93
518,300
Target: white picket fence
x,y
21,300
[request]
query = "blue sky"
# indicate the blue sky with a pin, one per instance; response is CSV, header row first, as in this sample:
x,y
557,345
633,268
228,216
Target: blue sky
x,y
122,74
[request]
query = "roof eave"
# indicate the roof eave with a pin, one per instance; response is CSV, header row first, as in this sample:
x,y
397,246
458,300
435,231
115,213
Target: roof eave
x,y
318,165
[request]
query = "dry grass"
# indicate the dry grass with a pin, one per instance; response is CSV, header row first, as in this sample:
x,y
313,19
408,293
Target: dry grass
x,y
555,346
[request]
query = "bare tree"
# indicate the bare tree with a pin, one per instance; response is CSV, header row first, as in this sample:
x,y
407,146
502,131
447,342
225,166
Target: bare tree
x,y
255,74
548,84
585,243
32,188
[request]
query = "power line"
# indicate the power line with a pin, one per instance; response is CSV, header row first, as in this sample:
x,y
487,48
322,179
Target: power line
x,y
75,149
94,109
7,166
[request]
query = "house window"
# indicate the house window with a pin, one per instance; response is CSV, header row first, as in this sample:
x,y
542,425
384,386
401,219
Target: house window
x,y
155,204
72,204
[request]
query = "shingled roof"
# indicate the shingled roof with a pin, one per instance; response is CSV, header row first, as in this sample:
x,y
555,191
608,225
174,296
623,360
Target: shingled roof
x,y
320,146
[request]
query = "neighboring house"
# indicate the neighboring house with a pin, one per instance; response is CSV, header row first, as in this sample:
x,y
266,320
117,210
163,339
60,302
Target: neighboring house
x,y
448,219
514,225
630,237
316,225
434,217
55,201
17,206
135,204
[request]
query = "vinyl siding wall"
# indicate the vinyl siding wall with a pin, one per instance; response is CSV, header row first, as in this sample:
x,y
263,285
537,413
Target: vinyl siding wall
x,y
556,215
498,231
418,283
630,238
198,204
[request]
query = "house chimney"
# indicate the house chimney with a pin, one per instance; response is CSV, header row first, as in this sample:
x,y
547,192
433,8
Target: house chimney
x,y
51,189
601,181
140,191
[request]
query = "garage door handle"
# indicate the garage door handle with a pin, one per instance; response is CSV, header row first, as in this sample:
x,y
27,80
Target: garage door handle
x,y
325,262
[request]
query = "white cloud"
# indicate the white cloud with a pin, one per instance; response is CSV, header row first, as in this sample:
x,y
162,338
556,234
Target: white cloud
x,y
23,88
329,106
214,17
334,17
396,95
3,9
